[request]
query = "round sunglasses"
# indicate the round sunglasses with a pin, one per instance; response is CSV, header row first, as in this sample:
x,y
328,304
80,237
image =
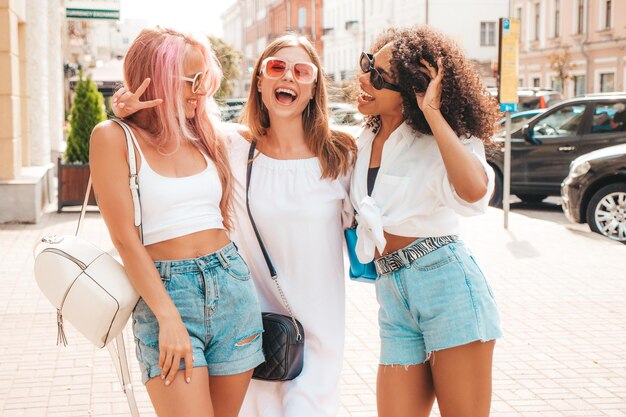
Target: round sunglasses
x,y
303,72
197,81
376,78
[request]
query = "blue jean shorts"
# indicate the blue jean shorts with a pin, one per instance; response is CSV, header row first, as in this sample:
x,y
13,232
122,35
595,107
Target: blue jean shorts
x,y
218,304
439,301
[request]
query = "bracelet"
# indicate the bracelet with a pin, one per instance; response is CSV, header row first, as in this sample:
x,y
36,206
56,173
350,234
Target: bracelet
x,y
434,108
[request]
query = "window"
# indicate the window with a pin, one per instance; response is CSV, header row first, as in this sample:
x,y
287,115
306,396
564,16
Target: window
x,y
537,20
581,17
609,117
517,122
487,33
556,84
301,17
608,10
557,18
562,122
579,85
607,82
537,82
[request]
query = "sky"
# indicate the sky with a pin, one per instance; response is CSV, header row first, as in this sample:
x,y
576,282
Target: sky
x,y
186,15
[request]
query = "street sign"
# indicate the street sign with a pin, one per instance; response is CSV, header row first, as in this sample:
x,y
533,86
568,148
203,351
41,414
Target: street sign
x,y
508,65
92,9
508,107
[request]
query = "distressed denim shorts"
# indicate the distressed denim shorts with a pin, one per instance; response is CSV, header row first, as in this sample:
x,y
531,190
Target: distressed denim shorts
x,y
439,301
218,304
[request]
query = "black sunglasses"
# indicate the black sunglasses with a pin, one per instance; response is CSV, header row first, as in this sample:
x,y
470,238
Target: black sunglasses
x,y
376,78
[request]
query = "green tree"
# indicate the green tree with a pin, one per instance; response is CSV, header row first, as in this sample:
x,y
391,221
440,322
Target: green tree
x,y
230,60
87,112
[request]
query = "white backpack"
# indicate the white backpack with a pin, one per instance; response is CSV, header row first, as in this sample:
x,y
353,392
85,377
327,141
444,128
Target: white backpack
x,y
88,287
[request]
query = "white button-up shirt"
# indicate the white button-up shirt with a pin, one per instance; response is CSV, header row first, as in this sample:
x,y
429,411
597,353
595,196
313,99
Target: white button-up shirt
x,y
412,196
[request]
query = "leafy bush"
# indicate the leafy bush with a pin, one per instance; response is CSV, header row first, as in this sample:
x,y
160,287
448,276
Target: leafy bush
x,y
87,112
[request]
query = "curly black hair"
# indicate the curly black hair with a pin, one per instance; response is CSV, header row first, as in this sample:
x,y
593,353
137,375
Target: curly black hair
x,y
465,103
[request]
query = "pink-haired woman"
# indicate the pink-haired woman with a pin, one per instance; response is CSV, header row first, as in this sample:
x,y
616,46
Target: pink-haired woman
x,y
299,198
198,311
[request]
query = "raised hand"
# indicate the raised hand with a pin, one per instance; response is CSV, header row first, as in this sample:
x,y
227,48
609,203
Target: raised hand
x,y
431,99
124,102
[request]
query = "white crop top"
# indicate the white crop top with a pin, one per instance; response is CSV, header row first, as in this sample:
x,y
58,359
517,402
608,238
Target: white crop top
x,y
174,207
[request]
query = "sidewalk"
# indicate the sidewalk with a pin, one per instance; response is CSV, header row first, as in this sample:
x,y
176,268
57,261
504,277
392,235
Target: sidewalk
x,y
562,295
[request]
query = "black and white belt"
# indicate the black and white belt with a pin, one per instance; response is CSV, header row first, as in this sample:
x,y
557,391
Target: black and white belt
x,y
405,256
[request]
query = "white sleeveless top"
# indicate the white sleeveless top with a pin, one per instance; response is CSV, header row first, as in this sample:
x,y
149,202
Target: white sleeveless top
x,y
299,216
173,207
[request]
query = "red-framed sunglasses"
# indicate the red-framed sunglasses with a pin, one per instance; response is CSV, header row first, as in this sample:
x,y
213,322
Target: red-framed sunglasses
x,y
303,72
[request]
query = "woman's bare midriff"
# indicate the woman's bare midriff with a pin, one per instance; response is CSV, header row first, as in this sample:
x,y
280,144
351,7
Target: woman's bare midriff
x,y
394,243
189,246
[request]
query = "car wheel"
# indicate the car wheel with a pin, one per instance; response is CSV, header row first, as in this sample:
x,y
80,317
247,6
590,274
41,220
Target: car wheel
x,y
531,198
606,212
496,197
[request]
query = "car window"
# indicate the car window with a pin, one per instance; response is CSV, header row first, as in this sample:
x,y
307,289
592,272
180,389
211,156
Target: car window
x,y
517,122
520,121
609,117
562,122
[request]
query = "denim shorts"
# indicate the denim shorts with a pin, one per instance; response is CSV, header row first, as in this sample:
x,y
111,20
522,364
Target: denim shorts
x,y
218,304
439,301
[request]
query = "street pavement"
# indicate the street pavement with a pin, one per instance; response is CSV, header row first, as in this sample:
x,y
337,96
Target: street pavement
x,y
561,292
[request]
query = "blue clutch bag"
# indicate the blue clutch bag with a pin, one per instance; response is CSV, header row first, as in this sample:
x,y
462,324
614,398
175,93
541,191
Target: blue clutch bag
x,y
358,271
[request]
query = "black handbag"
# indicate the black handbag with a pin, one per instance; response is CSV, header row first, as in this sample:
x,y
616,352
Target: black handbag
x,y
283,336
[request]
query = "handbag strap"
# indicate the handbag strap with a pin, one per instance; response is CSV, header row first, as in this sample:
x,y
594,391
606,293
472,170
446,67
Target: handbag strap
x,y
133,181
270,265
120,361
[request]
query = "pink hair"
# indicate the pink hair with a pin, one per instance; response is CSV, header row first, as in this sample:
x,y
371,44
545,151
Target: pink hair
x,y
159,54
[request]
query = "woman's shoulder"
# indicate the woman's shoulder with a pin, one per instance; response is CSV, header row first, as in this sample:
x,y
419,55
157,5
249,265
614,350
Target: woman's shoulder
x,y
235,131
237,139
108,135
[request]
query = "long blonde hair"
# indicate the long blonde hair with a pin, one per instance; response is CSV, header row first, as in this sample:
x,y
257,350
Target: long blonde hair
x,y
336,150
159,54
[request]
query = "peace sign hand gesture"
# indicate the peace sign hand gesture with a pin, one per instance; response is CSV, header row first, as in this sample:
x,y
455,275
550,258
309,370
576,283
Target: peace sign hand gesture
x,y
431,99
125,102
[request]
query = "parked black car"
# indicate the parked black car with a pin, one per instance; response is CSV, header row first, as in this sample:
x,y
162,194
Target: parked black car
x,y
542,150
594,192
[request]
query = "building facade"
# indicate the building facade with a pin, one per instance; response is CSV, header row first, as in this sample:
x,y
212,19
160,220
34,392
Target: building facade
x,y
343,38
250,25
350,26
587,38
31,105
232,22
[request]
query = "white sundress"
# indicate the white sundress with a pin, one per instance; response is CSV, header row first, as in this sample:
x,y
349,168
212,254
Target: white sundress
x,y
299,216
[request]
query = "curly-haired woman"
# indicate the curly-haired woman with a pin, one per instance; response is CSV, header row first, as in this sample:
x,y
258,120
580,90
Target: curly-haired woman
x,y
421,164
